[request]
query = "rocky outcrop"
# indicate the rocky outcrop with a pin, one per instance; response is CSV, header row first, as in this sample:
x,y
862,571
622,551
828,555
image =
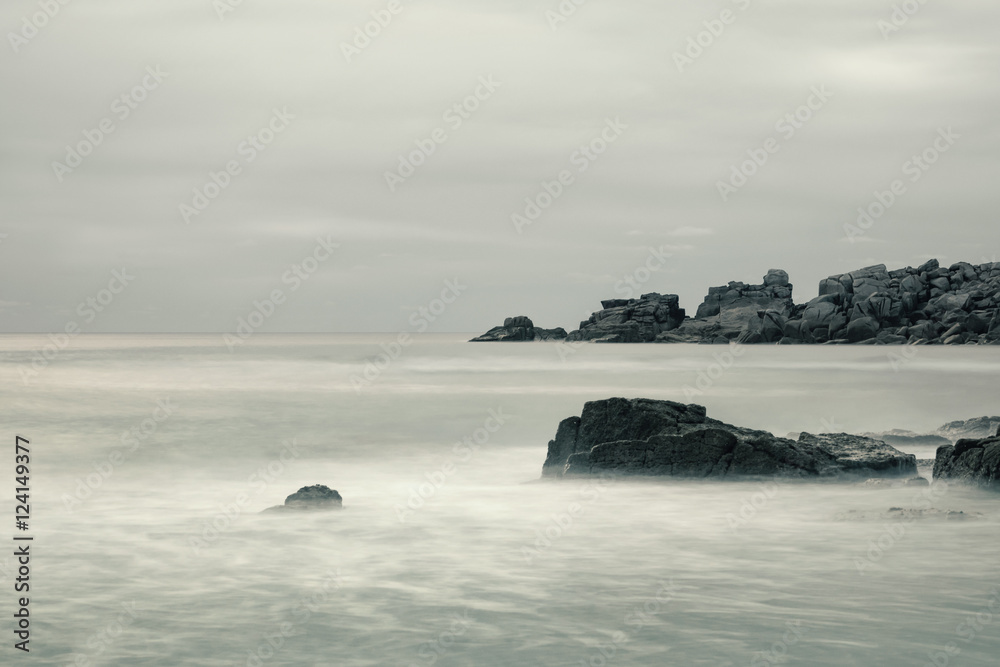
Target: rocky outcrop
x,y
929,304
906,439
520,329
759,311
651,437
970,429
316,497
972,461
631,320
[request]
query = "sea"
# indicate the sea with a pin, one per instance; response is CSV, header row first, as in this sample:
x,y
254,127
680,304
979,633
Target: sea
x,y
151,460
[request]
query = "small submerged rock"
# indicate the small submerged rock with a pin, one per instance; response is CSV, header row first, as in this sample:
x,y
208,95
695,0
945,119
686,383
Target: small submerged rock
x,y
884,483
316,497
907,514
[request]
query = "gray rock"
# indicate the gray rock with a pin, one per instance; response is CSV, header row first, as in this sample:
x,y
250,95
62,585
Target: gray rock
x,y
971,429
972,461
652,437
316,497
519,329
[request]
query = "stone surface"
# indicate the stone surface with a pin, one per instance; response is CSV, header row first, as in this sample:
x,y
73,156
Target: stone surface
x,y
316,497
519,329
972,461
652,437
631,321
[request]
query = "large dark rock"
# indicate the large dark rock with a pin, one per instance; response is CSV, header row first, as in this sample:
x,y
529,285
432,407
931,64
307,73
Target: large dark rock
x,y
519,329
631,321
652,437
971,461
316,497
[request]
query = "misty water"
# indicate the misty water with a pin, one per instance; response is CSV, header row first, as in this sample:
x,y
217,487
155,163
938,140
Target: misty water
x,y
153,457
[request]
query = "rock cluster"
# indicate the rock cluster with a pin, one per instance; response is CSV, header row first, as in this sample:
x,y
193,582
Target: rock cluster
x,y
519,329
972,461
631,320
929,304
652,437
316,497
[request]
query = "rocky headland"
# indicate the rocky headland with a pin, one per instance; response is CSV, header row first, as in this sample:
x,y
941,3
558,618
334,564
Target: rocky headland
x,y
929,304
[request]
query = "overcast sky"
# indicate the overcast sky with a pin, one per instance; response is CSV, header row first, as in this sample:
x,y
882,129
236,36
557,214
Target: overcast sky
x,y
347,114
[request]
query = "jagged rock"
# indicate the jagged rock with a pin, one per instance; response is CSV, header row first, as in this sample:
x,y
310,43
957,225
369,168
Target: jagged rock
x,y
519,329
633,321
930,304
316,497
652,437
972,461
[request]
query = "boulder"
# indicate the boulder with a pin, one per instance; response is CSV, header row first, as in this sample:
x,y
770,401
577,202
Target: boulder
x,y
972,461
633,321
653,437
861,328
519,329
316,497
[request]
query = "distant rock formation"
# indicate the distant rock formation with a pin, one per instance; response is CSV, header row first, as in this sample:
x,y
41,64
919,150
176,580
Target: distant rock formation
x,y
631,320
652,437
519,329
902,438
929,304
316,497
972,461
973,429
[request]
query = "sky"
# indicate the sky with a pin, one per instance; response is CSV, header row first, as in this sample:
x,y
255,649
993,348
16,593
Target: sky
x,y
178,166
